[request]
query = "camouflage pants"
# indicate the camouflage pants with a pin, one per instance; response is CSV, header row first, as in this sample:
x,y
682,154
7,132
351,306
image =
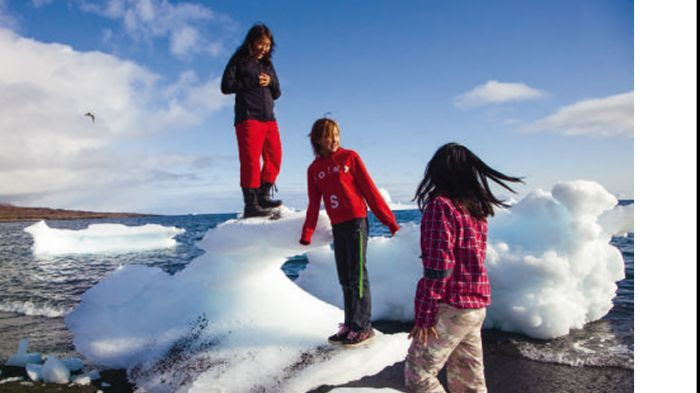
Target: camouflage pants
x,y
459,345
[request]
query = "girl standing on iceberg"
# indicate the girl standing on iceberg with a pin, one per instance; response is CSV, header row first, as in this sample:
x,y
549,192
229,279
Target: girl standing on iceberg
x,y
451,298
251,76
339,177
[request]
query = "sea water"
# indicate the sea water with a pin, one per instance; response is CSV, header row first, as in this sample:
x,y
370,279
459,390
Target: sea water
x,y
36,292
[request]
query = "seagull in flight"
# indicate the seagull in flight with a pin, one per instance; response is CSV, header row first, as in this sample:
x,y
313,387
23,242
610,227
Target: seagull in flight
x,y
91,116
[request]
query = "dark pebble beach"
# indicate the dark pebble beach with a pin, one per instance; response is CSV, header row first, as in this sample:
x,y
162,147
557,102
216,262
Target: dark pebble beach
x,y
506,371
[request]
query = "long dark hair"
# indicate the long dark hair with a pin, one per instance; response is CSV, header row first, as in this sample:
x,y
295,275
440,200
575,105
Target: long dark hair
x,y
258,31
458,174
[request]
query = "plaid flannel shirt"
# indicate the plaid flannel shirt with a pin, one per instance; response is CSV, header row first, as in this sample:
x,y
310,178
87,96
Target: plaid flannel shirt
x,y
453,246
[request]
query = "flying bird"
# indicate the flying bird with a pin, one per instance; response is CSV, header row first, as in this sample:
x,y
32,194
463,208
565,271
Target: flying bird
x,y
91,116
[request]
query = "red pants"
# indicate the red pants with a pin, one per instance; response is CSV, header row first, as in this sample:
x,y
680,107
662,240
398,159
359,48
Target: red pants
x,y
256,138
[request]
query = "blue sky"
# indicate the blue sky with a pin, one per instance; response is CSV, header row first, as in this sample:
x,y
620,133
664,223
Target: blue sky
x,y
537,89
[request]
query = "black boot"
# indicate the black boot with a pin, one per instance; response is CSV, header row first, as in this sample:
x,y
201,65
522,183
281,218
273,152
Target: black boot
x,y
264,194
252,208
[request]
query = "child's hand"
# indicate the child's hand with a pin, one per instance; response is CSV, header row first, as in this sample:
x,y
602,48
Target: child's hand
x,y
393,230
264,79
421,334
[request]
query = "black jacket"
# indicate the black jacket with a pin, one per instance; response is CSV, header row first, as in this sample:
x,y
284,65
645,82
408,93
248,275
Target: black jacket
x,y
252,100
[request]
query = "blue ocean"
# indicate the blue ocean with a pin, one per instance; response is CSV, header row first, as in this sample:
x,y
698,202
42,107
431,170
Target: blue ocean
x,y
37,292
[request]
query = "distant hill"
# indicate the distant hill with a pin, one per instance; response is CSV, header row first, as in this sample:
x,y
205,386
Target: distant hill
x,y
9,212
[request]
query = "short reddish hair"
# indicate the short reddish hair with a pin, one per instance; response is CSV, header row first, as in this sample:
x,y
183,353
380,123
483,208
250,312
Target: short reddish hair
x,y
321,129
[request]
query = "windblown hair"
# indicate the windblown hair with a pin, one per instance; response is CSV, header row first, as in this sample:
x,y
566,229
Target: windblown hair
x,y
458,174
321,129
258,31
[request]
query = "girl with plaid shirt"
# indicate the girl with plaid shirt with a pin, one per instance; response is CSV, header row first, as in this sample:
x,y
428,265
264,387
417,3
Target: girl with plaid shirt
x,y
451,298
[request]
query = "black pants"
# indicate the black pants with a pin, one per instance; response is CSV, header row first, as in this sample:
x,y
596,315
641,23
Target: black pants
x,y
350,245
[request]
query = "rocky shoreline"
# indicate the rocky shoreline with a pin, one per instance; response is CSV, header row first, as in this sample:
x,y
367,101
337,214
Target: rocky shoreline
x,y
506,372
10,212
110,381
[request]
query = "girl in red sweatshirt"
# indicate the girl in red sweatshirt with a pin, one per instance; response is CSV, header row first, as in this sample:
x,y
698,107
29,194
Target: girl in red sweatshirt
x,y
339,177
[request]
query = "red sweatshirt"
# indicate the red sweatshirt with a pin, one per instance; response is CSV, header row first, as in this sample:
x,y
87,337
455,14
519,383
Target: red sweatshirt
x,y
343,182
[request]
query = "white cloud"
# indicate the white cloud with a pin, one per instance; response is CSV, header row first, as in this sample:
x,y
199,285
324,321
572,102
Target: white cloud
x,y
608,116
50,146
189,28
495,92
184,41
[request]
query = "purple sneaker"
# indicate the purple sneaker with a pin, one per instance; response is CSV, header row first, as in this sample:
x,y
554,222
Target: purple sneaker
x,y
356,338
340,336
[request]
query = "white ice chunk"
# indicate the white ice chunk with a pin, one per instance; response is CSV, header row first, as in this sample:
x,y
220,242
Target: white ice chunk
x,y
101,238
618,221
73,364
33,372
11,379
550,263
395,205
21,358
81,380
54,371
230,321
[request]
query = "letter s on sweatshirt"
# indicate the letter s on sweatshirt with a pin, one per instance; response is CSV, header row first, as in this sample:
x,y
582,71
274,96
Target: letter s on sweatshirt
x,y
334,201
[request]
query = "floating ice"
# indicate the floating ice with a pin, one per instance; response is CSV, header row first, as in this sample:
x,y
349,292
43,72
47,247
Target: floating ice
x,y
395,205
94,375
101,238
549,259
230,321
33,372
618,221
54,371
385,195
73,364
81,380
21,358
551,263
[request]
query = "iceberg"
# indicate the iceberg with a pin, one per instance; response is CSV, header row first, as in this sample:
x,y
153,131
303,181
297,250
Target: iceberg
x,y
101,238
